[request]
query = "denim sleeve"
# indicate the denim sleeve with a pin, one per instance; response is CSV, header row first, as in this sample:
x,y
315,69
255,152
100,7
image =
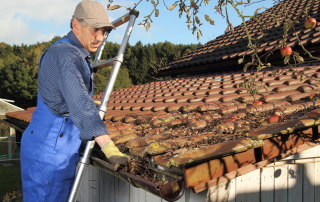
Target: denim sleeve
x,y
74,83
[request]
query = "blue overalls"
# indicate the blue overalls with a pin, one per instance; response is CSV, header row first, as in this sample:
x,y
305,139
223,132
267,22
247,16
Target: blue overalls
x,y
49,154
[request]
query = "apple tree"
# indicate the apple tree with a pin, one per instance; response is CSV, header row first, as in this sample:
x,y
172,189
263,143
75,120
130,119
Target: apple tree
x,y
191,10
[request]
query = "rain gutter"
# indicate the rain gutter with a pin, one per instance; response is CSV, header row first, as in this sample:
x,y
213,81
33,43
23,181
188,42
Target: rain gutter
x,y
170,187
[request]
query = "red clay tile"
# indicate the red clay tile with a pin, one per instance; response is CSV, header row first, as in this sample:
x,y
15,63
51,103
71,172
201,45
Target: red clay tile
x,y
300,96
307,88
281,111
230,109
215,91
134,108
230,97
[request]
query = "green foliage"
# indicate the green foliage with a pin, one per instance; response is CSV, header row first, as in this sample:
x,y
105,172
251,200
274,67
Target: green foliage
x,y
7,55
18,72
19,67
139,59
101,79
19,83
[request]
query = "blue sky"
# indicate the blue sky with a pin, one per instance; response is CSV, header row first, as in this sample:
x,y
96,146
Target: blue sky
x,y
33,21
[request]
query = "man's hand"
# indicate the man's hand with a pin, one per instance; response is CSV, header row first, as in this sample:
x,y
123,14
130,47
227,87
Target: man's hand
x,y
113,154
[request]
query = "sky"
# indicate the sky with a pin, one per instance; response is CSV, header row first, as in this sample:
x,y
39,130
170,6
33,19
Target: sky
x,y
32,21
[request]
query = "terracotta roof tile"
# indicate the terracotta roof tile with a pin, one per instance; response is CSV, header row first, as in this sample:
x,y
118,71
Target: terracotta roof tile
x,y
183,102
224,46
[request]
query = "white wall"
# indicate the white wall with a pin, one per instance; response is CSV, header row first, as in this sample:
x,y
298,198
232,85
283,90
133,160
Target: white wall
x,y
6,107
294,179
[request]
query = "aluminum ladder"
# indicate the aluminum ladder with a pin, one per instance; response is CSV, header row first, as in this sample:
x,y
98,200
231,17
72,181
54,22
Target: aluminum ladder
x,y
115,63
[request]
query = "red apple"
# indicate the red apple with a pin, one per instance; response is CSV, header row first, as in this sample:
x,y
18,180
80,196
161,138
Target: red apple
x,y
257,102
232,118
310,23
274,119
286,51
312,95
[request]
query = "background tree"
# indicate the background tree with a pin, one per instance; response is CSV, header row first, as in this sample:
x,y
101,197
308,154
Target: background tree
x,y
17,83
19,67
101,79
139,58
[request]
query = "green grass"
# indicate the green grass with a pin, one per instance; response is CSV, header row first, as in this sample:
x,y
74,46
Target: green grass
x,y
9,177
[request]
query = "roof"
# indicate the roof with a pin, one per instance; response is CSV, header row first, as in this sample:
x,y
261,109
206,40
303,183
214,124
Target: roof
x,y
232,46
207,127
186,121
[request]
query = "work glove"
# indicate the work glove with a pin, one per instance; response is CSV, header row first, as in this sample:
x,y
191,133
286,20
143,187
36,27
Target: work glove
x,y
97,102
113,154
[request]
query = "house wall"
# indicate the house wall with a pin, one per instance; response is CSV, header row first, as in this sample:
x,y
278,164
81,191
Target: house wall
x,y
6,107
294,179
8,146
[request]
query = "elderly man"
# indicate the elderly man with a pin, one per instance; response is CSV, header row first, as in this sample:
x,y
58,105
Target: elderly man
x,y
66,113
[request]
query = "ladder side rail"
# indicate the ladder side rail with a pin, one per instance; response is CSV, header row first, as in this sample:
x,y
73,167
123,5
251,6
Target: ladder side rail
x,y
116,23
81,169
116,67
105,63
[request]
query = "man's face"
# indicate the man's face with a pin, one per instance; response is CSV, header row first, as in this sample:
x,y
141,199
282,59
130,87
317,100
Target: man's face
x,y
89,37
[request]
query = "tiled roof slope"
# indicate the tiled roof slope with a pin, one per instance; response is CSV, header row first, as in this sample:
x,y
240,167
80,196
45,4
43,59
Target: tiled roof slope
x,y
185,121
232,46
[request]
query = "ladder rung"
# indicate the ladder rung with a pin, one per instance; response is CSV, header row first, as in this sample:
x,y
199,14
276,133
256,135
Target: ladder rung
x,y
116,23
125,18
105,63
121,20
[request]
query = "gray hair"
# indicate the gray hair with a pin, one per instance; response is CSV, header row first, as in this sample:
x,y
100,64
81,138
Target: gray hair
x,y
81,21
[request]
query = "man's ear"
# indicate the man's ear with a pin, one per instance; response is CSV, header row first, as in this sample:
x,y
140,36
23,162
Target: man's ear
x,y
75,26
